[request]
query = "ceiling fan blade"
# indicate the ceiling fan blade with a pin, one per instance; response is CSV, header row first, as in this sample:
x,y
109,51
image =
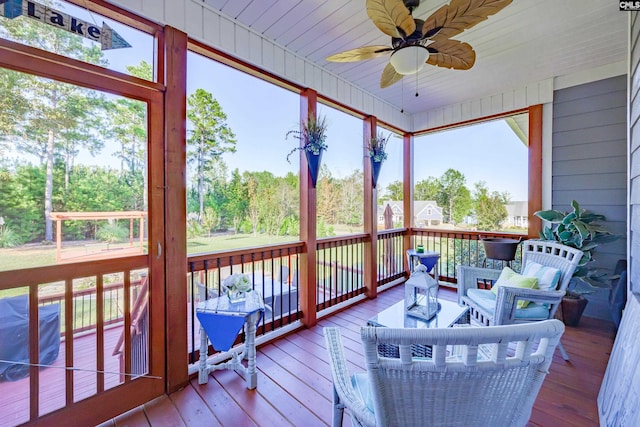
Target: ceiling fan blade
x,y
451,54
392,17
389,76
460,15
360,54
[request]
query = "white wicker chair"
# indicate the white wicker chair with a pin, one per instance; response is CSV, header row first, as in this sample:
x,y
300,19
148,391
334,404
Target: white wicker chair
x,y
504,311
474,378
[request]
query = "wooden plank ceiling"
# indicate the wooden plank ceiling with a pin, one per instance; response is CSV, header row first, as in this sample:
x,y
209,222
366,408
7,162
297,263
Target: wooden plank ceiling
x,y
527,42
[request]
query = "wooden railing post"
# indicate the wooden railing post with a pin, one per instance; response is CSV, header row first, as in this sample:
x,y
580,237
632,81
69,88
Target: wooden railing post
x,y
407,180
308,105
370,212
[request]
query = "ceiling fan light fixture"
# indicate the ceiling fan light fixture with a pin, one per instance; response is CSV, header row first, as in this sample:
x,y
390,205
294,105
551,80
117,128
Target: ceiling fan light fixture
x,y
409,59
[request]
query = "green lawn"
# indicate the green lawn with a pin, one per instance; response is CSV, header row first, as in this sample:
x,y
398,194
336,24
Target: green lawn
x,y
32,255
223,242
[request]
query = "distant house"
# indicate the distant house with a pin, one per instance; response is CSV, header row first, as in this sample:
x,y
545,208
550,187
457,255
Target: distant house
x,y
517,214
427,212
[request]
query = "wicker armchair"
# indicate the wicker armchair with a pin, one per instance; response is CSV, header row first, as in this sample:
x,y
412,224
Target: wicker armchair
x,y
474,378
488,309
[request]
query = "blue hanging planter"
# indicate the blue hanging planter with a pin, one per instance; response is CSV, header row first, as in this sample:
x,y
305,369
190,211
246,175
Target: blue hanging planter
x,y
375,171
314,160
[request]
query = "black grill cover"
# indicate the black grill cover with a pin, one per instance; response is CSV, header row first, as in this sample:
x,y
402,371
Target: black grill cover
x,y
14,336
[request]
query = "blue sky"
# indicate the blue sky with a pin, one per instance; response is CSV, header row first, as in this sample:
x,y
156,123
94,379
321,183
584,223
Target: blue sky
x,y
260,114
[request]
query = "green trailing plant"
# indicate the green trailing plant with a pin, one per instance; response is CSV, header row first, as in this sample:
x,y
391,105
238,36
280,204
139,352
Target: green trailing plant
x,y
579,229
313,136
377,147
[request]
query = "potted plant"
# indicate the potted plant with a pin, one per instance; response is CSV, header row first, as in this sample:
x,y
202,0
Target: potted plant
x,y
313,137
377,154
578,228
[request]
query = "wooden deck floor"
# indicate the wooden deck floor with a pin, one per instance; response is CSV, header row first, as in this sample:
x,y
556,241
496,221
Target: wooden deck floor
x,y
294,381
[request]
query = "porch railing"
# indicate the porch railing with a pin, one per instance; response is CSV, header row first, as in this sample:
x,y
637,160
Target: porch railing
x,y
84,305
89,297
391,257
462,248
339,274
273,270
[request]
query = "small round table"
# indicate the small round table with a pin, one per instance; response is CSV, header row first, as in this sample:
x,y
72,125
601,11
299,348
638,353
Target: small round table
x,y
427,258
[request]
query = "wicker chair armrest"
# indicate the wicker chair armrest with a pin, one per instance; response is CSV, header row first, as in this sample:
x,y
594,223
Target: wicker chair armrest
x,y
468,278
508,297
342,385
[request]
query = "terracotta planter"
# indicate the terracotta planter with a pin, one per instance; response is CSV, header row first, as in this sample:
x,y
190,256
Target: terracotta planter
x,y
314,160
572,309
375,171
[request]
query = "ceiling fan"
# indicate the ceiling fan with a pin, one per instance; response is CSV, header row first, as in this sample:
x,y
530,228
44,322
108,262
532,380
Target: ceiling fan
x,y
415,42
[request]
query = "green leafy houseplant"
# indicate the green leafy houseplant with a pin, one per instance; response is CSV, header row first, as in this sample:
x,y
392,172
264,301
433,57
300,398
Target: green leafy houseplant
x,y
578,228
313,136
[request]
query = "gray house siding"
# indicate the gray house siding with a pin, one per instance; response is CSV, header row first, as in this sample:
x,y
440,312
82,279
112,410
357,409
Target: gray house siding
x,y
618,398
590,163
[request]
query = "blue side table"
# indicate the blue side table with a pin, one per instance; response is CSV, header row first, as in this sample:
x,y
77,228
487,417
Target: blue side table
x,y
427,258
220,322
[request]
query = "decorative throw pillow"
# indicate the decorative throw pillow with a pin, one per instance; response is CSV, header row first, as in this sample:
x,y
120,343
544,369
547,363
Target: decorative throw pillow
x,y
508,277
548,277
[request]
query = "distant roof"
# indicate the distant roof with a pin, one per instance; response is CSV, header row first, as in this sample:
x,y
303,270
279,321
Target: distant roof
x,y
418,206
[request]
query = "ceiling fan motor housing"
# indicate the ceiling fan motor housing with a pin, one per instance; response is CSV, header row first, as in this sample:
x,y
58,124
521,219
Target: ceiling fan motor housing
x,y
411,4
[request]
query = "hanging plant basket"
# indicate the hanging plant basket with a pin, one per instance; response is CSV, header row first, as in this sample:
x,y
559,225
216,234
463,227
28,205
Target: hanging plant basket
x,y
313,135
314,161
376,166
377,153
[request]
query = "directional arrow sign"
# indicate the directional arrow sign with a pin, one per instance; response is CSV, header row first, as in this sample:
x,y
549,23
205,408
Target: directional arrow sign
x,y
106,36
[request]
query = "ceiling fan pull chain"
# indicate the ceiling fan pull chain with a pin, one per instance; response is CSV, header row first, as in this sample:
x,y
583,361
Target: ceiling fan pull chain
x,y
402,97
416,79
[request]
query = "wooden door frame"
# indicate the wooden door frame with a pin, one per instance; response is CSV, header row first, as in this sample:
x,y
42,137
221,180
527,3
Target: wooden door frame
x,y
18,57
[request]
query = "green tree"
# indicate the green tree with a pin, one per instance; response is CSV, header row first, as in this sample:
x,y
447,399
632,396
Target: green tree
x,y
253,203
216,193
87,133
490,207
394,191
21,204
129,124
209,220
12,104
454,196
237,200
352,199
53,107
327,203
209,136
427,189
